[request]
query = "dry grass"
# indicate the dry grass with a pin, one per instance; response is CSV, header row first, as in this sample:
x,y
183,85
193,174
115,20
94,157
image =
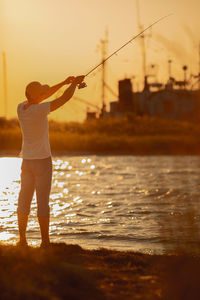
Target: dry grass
x,y
139,136
70,272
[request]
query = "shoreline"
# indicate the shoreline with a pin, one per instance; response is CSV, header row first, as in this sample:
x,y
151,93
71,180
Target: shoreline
x,y
71,272
140,136
12,153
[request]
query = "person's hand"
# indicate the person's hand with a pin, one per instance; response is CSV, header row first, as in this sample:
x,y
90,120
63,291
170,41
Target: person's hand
x,y
79,79
69,80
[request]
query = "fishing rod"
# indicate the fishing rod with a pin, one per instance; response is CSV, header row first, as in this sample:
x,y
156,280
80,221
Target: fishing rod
x,y
83,84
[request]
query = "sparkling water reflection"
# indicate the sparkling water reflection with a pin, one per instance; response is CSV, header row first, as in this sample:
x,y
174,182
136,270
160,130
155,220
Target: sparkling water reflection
x,y
108,201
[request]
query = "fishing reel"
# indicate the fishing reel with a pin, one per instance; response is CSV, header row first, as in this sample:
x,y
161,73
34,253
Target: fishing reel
x,y
82,85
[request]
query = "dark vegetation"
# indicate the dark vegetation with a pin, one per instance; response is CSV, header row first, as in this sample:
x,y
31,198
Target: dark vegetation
x,y
128,135
70,272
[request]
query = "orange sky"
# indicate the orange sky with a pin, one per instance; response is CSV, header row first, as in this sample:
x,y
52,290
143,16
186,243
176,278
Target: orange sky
x,y
48,40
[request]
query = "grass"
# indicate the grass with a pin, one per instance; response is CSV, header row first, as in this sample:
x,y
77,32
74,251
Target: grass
x,y
139,136
70,272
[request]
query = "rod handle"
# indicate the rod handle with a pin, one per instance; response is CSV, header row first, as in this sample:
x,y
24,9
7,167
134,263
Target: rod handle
x,y
82,85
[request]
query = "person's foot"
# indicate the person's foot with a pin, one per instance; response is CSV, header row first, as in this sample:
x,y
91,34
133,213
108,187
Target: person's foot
x,y
45,245
22,244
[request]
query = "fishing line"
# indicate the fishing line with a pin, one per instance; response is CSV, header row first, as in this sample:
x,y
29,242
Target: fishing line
x,y
83,84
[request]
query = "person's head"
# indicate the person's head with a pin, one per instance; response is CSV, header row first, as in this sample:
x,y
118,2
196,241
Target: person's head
x,y
35,90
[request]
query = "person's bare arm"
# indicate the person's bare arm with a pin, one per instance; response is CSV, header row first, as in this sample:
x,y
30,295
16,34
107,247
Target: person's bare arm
x,y
53,89
69,92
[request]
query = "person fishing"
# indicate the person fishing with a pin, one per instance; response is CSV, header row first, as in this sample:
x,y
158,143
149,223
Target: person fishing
x,y
36,168
37,164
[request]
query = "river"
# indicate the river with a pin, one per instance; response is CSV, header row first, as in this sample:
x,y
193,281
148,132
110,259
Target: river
x,y
141,203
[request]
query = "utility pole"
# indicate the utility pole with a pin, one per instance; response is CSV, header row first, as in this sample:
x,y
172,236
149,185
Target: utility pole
x,y
199,66
104,43
5,85
185,68
142,43
170,68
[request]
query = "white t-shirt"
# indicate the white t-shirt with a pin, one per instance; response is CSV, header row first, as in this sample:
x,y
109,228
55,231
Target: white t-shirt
x,y
35,130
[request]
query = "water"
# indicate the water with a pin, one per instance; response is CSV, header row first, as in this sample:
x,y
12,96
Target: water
x,y
138,203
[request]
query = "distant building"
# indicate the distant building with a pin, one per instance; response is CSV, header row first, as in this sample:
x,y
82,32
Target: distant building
x,y
173,104
125,101
125,94
165,102
91,115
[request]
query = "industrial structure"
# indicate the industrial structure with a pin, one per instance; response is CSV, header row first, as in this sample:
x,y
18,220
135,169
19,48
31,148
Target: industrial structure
x,y
176,99
173,99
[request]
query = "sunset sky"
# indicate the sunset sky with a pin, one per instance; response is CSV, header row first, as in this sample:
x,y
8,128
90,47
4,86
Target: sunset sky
x,y
48,40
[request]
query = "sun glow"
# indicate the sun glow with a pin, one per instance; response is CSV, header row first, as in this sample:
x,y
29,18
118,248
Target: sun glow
x,y
9,171
6,236
67,46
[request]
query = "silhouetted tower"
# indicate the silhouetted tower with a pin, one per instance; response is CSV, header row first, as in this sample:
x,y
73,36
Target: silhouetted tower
x,y
185,75
170,68
5,85
125,94
104,43
199,66
142,43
